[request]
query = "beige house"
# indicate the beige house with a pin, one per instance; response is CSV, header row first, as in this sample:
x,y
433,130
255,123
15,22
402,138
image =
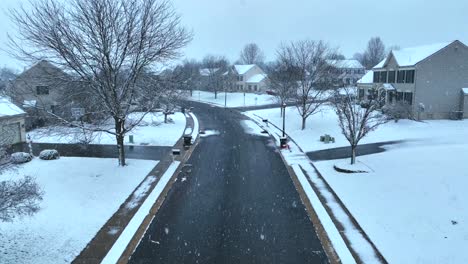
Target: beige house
x,y
250,78
430,79
40,89
41,86
12,119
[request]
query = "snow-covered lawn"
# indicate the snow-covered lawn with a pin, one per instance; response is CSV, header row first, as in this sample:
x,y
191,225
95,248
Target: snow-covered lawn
x,y
413,202
80,195
233,99
326,122
151,131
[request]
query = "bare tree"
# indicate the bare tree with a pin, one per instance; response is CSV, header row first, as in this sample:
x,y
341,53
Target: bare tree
x,y
374,53
189,75
308,59
17,197
106,45
252,54
282,81
355,121
216,67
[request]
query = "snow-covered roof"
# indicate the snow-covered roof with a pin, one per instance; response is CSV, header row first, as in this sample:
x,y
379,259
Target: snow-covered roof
x,y
388,87
29,103
7,108
208,71
465,90
346,64
243,69
257,78
412,56
367,78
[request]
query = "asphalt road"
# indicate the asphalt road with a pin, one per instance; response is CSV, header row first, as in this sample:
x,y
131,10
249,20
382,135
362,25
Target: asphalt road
x,y
236,203
345,152
98,151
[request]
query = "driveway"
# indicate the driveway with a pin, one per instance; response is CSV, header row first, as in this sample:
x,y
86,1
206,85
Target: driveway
x,y
345,152
234,202
98,151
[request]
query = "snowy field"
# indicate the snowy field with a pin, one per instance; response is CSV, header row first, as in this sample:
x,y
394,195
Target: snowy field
x,y
81,194
233,99
151,131
413,203
326,122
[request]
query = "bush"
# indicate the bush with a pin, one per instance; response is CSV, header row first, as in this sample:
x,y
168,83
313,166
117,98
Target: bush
x,y
400,110
20,157
49,154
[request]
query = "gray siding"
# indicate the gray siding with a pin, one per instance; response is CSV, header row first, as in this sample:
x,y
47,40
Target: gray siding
x,y
439,80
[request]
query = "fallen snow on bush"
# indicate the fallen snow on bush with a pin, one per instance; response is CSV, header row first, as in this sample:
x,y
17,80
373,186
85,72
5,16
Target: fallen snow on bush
x,y
21,157
80,195
49,154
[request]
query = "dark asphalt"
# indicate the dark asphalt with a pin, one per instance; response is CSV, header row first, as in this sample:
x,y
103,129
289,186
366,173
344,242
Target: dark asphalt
x,y
97,151
235,204
345,152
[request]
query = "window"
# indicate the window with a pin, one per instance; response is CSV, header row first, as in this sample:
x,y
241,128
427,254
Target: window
x,y
250,87
53,109
361,93
391,96
240,78
42,90
255,87
401,77
376,77
410,76
383,77
408,97
399,96
391,76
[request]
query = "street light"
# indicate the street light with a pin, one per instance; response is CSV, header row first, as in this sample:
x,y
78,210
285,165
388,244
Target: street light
x,y
284,117
283,139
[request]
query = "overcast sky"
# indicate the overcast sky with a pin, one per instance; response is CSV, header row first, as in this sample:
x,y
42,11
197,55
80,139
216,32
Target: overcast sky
x,y
222,27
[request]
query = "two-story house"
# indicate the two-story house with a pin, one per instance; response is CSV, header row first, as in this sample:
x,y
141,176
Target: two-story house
x,y
250,78
430,79
40,89
346,72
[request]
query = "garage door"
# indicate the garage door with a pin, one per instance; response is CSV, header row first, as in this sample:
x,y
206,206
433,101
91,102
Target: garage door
x,y
10,133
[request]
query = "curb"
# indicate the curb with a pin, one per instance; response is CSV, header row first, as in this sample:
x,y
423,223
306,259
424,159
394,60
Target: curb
x,y
98,247
337,224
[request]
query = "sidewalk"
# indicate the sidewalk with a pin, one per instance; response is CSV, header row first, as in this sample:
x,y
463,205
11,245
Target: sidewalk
x,y
100,245
341,231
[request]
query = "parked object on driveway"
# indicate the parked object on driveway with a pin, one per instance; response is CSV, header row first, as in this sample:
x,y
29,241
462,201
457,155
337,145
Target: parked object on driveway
x,y
20,157
49,154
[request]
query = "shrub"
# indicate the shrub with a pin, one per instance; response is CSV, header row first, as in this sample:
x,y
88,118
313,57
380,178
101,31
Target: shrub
x,y
20,157
49,154
400,110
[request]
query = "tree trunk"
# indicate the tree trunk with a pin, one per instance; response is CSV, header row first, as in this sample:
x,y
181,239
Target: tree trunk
x,y
216,94
304,122
120,141
165,118
353,155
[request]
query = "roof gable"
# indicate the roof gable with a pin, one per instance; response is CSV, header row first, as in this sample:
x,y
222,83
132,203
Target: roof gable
x,y
243,69
411,56
7,108
346,64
